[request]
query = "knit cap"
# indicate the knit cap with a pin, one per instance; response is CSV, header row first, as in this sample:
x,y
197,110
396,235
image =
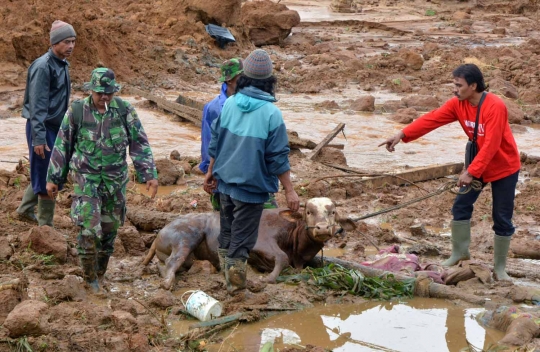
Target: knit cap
x,y
61,30
258,65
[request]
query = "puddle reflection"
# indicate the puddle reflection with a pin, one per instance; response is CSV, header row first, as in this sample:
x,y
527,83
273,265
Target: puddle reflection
x,y
416,325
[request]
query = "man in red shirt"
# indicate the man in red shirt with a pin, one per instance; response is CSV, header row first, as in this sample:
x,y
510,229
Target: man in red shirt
x,y
497,161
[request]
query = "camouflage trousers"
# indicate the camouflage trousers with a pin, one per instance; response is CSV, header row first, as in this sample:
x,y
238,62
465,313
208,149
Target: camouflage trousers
x,y
99,219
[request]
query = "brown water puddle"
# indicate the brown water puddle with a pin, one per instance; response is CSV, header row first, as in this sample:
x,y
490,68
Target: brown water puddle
x,y
162,190
414,325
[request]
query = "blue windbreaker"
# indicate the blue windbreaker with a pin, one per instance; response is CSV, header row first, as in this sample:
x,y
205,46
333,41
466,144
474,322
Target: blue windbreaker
x,y
250,146
210,112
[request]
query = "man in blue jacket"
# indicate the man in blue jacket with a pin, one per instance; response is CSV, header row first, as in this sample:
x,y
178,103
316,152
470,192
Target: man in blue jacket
x,y
46,100
249,153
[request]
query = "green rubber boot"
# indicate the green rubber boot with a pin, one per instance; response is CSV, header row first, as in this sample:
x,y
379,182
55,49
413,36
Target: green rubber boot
x,y
222,253
235,275
501,244
25,211
45,212
461,239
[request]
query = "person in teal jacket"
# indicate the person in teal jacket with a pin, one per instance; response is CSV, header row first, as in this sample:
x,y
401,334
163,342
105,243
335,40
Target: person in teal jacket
x,y
249,156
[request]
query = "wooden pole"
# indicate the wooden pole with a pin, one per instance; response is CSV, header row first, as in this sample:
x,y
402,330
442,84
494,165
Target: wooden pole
x,y
327,140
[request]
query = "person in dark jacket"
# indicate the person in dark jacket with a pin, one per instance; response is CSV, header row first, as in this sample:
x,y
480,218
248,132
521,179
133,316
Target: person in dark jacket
x,y
46,100
249,153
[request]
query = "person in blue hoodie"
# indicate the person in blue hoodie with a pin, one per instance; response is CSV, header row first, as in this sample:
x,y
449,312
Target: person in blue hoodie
x,y
249,156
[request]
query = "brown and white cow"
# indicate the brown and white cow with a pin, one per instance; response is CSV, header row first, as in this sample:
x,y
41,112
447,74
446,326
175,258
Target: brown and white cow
x,y
285,238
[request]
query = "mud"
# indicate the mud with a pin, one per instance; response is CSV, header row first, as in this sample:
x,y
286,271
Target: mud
x,y
399,55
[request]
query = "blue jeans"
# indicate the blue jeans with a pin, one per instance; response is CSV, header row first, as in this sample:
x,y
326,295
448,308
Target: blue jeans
x,y
503,191
38,166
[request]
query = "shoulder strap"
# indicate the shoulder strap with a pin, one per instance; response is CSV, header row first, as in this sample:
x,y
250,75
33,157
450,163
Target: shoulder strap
x,y
478,116
122,111
77,111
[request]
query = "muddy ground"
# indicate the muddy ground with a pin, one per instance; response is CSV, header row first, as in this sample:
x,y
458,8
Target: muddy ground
x,y
406,47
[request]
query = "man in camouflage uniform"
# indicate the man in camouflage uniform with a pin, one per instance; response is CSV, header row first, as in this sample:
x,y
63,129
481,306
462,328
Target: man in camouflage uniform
x,y
92,147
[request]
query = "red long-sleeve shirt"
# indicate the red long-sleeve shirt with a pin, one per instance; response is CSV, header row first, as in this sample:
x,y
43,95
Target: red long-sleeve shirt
x,y
497,156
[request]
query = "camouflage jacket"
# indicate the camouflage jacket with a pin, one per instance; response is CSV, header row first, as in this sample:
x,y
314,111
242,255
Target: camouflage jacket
x,y
95,151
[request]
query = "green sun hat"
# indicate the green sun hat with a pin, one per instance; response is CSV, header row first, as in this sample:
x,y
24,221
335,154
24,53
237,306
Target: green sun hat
x,y
230,69
102,80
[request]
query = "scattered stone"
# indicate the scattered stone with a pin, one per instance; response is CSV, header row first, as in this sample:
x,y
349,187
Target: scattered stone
x,y
405,116
168,172
124,321
202,267
418,230
6,251
421,249
421,102
71,288
412,59
175,155
46,240
515,114
163,299
27,319
267,22
364,103
502,87
132,240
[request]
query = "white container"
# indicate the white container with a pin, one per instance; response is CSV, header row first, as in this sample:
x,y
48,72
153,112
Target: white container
x,y
201,305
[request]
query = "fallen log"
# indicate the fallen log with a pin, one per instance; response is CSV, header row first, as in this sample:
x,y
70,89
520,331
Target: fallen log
x,y
529,248
191,114
431,289
149,220
327,140
416,175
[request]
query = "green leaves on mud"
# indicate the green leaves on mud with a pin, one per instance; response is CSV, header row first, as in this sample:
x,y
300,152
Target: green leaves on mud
x,y
337,278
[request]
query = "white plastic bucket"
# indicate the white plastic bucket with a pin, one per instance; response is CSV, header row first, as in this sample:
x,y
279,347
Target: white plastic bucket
x,y
201,305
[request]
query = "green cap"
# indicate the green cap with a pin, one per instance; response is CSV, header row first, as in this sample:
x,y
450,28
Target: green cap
x,y
102,80
230,69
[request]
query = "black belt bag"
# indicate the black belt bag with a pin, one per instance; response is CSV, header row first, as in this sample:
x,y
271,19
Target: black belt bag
x,y
471,149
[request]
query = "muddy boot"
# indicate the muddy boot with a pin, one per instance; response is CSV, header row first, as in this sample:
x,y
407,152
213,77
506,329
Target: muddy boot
x,y
222,253
102,263
500,253
235,275
461,239
25,211
45,212
89,265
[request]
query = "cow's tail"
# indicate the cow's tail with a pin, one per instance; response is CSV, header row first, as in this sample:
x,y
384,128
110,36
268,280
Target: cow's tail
x,y
150,254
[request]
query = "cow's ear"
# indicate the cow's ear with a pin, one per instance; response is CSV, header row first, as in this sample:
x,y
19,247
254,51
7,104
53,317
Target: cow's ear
x,y
347,224
290,215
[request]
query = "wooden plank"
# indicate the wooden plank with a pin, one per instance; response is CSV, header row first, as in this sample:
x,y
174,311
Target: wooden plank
x,y
191,114
192,103
327,140
416,175
217,321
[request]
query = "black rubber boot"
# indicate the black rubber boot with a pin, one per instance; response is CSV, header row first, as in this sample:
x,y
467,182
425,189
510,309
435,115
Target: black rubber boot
x,y
235,275
46,212
25,211
102,263
89,265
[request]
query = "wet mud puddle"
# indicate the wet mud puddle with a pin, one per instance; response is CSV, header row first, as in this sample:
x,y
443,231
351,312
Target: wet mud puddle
x,y
414,325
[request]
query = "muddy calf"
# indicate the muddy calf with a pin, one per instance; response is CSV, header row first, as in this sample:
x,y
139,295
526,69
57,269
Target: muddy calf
x,y
285,238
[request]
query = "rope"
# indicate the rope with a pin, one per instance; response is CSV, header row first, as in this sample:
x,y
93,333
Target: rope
x,y
448,186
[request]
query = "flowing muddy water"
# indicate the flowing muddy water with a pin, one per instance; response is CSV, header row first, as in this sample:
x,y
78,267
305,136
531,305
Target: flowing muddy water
x,y
363,132
414,325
